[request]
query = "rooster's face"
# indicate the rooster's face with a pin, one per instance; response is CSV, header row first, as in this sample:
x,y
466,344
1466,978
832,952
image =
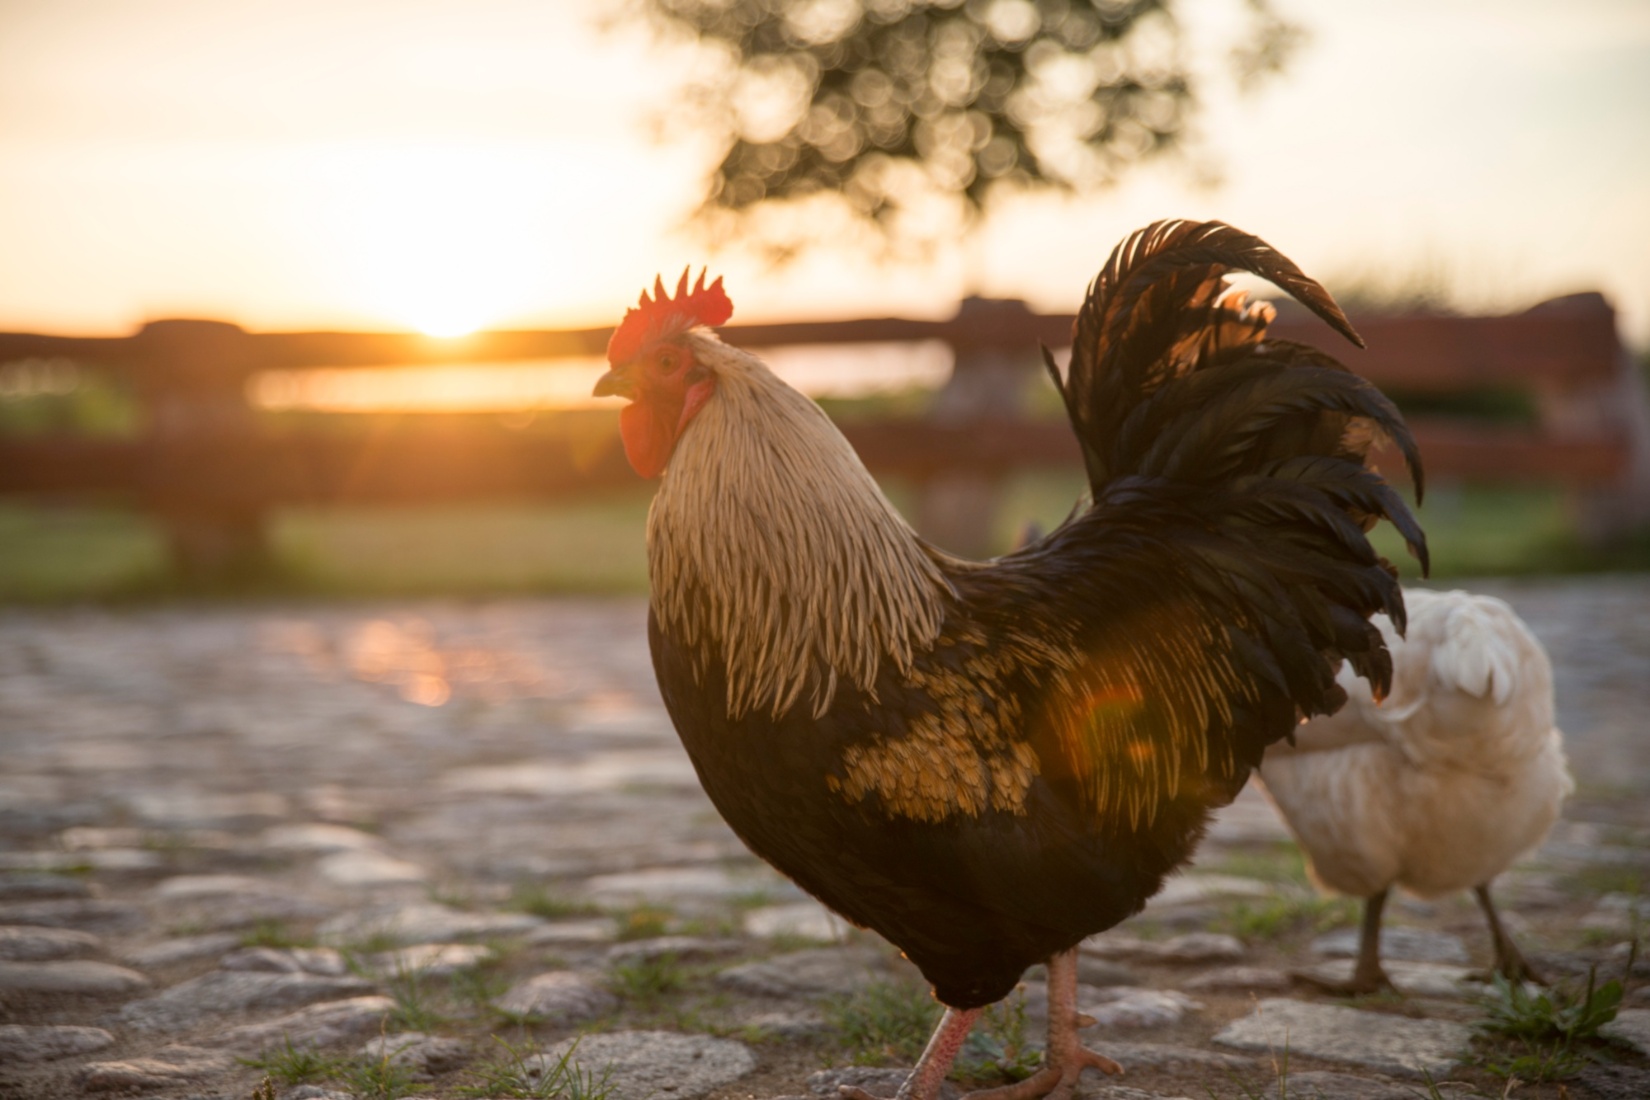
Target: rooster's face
x,y
656,369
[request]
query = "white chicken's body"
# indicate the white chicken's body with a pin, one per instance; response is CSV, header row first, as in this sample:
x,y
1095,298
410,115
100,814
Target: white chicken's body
x,y
1442,785
1457,773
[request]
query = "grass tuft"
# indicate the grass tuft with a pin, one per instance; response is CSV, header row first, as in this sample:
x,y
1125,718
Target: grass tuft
x,y
273,933
643,922
541,901
997,1047
1545,1036
1598,879
883,1022
294,1065
1274,918
511,1076
648,980
1282,863
377,1079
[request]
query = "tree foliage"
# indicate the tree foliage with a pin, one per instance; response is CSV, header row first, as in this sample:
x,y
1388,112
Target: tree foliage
x,y
898,106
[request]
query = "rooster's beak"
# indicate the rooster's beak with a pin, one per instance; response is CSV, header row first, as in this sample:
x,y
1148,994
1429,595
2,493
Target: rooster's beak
x,y
616,383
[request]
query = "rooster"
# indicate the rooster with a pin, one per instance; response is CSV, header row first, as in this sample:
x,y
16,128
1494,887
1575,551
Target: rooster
x,y
987,762
1439,787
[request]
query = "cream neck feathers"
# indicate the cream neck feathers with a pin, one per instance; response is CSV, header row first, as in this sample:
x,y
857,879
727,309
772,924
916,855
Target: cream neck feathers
x,y
770,544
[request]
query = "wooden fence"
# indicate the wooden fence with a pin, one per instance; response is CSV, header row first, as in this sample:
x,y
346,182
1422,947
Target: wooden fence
x,y
212,470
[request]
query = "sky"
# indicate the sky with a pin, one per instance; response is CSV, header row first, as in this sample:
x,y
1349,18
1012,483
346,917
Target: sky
x,y
443,165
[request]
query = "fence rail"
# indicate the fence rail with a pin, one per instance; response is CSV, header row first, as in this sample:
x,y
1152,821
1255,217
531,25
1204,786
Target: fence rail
x,y
212,471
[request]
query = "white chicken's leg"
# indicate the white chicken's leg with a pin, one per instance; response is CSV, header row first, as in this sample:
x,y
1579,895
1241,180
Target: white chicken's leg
x,y
1066,1057
1368,976
926,1079
1509,961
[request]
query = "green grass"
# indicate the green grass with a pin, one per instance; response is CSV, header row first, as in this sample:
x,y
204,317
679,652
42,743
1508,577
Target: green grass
x,y
55,554
1598,879
596,546
415,995
295,1065
1472,531
1544,1036
509,1075
541,901
1282,862
374,941
377,1079
643,922
97,407
366,1078
1301,909
1274,918
68,553
1486,531
883,1023
274,933
648,980
997,1046
586,546
477,987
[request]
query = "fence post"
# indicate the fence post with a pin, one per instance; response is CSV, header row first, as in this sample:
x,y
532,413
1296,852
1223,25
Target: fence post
x,y
192,381
957,508
1614,408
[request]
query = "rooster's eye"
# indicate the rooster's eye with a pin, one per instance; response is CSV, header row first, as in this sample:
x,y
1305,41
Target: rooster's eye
x,y
667,362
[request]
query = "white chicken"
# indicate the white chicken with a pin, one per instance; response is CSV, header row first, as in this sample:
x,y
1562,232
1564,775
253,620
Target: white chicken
x,y
1439,787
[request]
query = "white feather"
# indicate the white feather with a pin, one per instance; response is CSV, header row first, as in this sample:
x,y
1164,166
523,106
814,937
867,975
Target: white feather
x,y
1446,782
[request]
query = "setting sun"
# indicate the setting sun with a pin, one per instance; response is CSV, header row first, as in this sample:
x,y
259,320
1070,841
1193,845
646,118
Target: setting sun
x,y
442,238
446,327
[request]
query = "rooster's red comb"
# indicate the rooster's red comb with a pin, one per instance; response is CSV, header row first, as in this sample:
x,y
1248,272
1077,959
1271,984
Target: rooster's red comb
x,y
661,317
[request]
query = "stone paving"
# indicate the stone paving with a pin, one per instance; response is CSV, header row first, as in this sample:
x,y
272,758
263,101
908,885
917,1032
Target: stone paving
x,y
447,849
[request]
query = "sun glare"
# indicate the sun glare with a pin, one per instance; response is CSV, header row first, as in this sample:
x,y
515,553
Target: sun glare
x,y
444,239
447,328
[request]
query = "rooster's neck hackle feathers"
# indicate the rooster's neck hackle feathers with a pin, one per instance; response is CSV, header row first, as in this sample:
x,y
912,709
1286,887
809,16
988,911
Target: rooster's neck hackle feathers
x,y
772,551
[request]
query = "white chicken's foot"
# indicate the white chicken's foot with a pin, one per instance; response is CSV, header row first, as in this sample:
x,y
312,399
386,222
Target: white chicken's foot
x,y
926,1079
1066,1057
1368,976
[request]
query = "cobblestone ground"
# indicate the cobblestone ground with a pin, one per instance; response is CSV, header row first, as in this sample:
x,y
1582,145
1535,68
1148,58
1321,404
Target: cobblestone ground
x,y
418,848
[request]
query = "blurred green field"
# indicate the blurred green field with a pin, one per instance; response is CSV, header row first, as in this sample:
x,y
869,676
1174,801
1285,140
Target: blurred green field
x,y
1470,531
64,553
61,553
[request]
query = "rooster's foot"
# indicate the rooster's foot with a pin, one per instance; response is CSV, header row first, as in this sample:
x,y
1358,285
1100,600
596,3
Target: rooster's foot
x,y
854,1092
1056,1082
1064,1062
1066,1058
927,1079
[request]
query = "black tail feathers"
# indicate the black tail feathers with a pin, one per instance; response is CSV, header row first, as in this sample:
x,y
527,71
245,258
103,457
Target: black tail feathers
x,y
1173,380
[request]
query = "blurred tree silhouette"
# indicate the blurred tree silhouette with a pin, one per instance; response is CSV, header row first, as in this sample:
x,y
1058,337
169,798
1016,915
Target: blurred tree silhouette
x,y
914,112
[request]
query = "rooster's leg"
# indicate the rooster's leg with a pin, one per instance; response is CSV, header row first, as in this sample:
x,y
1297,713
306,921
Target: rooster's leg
x,y
1066,1057
925,1081
1367,973
1509,961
